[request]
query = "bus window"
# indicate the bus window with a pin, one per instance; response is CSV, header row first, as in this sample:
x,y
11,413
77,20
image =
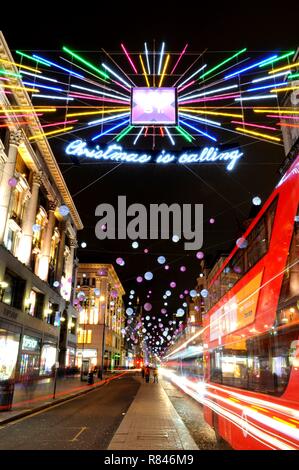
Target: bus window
x,y
244,259
288,305
263,365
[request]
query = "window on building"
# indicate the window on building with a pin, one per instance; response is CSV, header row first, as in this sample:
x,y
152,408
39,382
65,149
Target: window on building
x,y
84,336
39,306
73,325
13,294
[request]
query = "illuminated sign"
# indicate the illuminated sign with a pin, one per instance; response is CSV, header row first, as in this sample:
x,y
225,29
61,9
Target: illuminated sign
x,y
153,106
30,344
115,153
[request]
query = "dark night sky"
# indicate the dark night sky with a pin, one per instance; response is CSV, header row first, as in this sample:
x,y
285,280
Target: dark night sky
x,y
226,197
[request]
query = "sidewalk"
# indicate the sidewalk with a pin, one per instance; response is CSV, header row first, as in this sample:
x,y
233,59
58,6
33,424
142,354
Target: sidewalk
x,y
28,401
152,423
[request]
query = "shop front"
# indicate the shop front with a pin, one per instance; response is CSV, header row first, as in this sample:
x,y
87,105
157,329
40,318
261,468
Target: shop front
x,y
48,358
70,357
90,355
30,357
9,347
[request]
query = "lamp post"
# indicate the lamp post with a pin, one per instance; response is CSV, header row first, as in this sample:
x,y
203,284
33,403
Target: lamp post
x,y
103,337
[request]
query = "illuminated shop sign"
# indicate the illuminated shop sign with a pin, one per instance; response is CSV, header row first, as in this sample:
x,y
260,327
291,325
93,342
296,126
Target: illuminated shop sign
x,y
115,153
30,344
153,106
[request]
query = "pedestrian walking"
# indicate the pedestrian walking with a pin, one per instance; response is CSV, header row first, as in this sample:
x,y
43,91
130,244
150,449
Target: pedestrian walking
x,y
156,374
147,374
142,371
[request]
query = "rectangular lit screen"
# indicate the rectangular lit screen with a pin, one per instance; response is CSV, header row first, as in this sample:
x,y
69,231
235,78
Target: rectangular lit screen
x,y
153,106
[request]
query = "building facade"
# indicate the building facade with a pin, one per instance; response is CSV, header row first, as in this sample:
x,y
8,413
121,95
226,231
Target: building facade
x,y
99,299
38,231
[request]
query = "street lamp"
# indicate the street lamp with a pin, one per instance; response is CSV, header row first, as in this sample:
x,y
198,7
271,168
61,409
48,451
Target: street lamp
x,y
102,299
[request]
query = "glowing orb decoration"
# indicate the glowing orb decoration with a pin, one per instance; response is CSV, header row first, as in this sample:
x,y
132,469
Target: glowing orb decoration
x,y
129,311
166,267
193,293
132,292
120,261
175,238
97,292
168,293
102,272
200,255
256,201
36,228
63,210
81,295
242,243
145,250
204,293
161,260
135,245
183,269
147,318
173,285
148,276
180,312
163,310
296,218
212,221
197,308
12,182
181,296
83,245
237,269
185,304
139,279
186,292
148,307
114,293
56,284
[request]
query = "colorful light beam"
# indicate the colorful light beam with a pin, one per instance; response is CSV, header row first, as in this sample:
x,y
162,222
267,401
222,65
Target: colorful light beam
x,y
224,62
86,63
129,58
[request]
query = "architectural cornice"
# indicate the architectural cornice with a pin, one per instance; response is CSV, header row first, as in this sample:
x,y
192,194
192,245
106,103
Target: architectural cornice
x,y
22,99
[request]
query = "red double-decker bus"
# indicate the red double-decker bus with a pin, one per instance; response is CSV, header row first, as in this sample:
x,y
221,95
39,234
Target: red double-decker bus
x,y
249,379
251,331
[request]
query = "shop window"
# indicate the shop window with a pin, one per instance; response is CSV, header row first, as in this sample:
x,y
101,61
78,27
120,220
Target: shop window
x,y
30,357
13,294
48,359
9,346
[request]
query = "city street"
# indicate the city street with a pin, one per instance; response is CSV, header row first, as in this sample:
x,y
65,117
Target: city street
x,y
84,423
89,422
149,230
